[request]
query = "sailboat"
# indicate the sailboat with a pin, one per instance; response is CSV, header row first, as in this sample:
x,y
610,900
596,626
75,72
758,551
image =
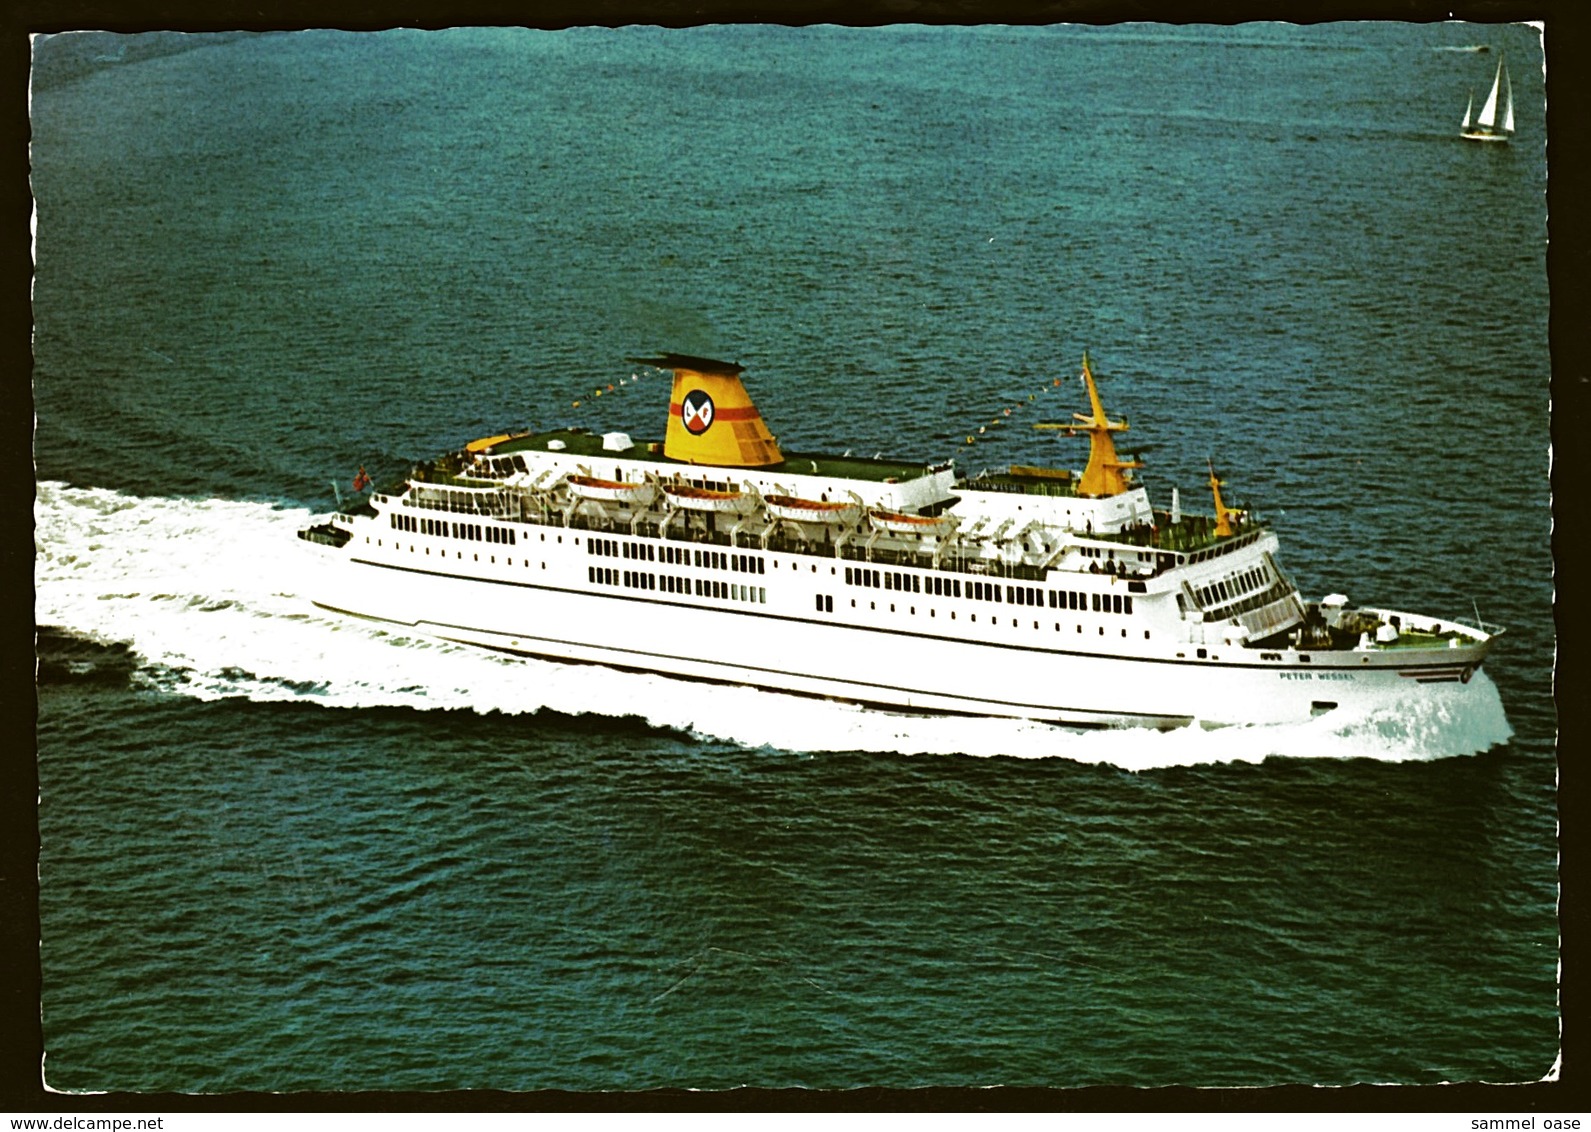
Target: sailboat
x,y
1485,128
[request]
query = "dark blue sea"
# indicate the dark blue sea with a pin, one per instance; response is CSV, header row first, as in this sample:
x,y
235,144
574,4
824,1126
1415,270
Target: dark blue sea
x,y
282,851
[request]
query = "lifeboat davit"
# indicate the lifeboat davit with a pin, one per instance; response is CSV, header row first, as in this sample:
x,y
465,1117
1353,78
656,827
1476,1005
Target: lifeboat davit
x,y
810,510
899,523
612,491
688,497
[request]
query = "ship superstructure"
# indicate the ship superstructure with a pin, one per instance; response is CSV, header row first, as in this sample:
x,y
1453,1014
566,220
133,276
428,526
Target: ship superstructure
x,y
714,555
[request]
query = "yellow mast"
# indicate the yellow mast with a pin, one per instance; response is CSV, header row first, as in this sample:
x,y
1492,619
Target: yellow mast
x,y
1223,524
1105,474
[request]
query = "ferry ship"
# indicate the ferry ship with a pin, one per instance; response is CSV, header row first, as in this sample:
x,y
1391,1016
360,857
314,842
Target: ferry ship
x,y
713,555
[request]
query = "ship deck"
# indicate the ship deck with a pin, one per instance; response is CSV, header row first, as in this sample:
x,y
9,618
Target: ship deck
x,y
579,442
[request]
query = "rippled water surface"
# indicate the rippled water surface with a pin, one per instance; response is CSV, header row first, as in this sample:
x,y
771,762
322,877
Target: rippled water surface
x,y
282,851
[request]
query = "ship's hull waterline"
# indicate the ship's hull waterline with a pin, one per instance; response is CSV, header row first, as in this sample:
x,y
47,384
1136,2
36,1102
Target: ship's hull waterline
x,y
1029,666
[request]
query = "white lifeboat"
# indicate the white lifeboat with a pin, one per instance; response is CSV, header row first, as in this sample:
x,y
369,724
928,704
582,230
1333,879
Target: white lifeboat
x,y
899,523
810,510
612,491
689,497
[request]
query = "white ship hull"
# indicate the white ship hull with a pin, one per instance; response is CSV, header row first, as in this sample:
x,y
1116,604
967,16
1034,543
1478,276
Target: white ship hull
x,y
899,651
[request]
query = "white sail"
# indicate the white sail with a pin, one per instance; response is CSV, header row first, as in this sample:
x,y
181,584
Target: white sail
x,y
1488,116
1508,106
1468,108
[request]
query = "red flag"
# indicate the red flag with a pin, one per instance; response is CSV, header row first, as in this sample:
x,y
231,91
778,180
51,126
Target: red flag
x,y
361,481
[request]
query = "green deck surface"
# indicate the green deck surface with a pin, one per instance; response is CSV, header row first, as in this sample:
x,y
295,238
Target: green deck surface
x,y
589,445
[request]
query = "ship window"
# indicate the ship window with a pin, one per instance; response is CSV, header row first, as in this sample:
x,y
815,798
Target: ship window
x,y
1095,598
828,604
1202,654
820,602
1126,604
1102,630
1115,603
1146,634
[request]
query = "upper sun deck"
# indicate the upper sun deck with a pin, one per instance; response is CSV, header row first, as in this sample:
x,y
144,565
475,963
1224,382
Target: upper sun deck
x,y
586,445
1020,480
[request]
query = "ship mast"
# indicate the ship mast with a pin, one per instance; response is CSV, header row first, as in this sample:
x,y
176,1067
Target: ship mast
x,y
1223,517
1105,474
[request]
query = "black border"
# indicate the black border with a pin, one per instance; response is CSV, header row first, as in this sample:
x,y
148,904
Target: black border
x,y
1565,23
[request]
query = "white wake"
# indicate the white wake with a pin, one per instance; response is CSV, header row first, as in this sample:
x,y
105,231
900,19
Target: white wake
x,y
210,594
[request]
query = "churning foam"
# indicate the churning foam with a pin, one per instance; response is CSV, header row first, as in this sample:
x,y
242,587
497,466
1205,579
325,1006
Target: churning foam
x,y
210,593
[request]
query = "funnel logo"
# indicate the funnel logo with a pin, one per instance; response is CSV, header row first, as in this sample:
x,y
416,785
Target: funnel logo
x,y
696,411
